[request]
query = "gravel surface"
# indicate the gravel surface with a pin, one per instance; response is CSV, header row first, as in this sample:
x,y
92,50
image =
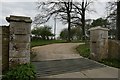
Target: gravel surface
x,y
62,61
56,51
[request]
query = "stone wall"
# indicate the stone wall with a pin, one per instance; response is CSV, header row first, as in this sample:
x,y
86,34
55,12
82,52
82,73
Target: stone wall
x,y
4,46
0,52
114,49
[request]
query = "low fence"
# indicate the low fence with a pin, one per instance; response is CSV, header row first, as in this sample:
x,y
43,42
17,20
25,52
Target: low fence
x,y
114,49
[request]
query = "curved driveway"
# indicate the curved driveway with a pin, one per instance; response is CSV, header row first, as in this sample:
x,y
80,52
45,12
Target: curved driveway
x,y
56,51
62,61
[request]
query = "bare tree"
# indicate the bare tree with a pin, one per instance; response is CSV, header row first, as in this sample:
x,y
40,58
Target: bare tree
x,y
114,15
111,9
49,9
81,8
67,11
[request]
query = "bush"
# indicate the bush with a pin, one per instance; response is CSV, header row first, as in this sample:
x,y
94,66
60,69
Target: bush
x,y
20,72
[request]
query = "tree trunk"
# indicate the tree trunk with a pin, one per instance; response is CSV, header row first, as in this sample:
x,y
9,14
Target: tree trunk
x,y
118,20
83,21
69,24
43,37
69,29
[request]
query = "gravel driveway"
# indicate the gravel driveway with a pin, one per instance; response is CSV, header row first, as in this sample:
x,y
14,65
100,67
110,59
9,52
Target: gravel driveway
x,y
56,51
62,61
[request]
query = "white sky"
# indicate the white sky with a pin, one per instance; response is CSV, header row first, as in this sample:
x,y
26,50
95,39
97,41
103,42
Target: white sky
x,y
28,8
47,0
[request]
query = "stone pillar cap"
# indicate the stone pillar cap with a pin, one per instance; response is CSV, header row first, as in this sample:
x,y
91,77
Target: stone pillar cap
x,y
19,19
98,28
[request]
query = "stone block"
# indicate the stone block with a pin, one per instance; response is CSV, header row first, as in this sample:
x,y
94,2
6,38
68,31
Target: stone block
x,y
19,54
5,30
22,38
0,59
5,39
0,29
0,49
5,53
23,46
5,60
14,18
19,46
114,49
5,46
20,28
0,66
0,39
11,46
14,61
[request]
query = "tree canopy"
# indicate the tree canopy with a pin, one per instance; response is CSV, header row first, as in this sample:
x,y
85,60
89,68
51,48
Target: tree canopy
x,y
99,22
67,11
76,33
44,32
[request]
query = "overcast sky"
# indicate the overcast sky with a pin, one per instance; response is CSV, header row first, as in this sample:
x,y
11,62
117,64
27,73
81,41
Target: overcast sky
x,y
28,8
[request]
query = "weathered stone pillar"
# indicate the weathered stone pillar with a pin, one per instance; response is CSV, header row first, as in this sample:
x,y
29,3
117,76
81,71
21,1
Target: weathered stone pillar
x,y
20,30
99,43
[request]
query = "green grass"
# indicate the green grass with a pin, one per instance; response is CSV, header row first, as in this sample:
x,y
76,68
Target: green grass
x,y
84,50
45,42
111,62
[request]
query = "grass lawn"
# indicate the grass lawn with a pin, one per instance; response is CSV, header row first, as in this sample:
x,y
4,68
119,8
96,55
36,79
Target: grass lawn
x,y
84,50
45,42
111,62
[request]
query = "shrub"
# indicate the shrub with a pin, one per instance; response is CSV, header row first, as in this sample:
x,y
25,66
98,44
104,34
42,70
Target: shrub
x,y
20,72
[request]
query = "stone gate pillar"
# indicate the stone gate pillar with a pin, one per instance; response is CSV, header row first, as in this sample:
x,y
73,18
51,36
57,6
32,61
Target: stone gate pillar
x,y
19,45
99,43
